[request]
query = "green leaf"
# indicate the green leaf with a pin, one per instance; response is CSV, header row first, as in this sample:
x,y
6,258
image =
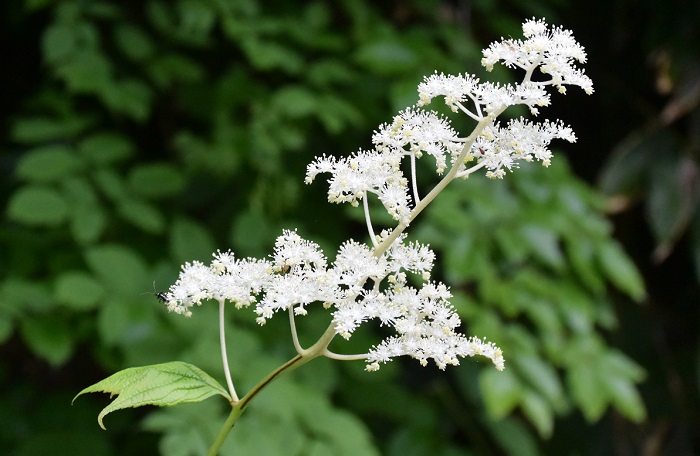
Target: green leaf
x,y
106,148
157,180
35,130
58,42
538,412
35,205
343,433
621,374
162,385
119,268
587,389
130,97
46,164
541,377
620,270
625,397
541,312
86,72
126,322
142,215
78,190
330,71
172,68
544,244
578,308
189,241
513,436
186,430
337,113
87,223
111,184
133,42
512,243
501,391
581,254
619,364
49,337
269,55
196,19
78,290
386,56
251,233
19,296
294,101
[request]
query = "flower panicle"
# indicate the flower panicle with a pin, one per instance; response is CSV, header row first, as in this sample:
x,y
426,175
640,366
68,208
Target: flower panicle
x,y
415,132
364,283
298,275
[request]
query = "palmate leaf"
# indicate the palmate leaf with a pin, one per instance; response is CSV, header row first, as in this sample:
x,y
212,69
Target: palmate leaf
x,y
163,385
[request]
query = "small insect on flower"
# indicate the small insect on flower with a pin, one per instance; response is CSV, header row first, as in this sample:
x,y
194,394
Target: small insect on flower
x,y
285,268
160,295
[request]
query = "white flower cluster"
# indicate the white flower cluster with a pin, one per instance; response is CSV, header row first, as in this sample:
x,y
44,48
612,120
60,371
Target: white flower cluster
x,y
495,148
366,283
552,50
298,275
412,133
502,147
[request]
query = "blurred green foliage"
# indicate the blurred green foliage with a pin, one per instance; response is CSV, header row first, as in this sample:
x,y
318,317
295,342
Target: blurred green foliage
x,y
141,135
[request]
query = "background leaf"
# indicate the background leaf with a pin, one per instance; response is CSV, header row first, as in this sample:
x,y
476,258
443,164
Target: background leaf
x,y
38,206
48,337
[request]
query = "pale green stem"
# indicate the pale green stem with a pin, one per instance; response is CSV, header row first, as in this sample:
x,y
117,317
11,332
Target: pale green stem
x,y
530,70
469,171
414,180
293,327
476,116
331,355
368,220
224,356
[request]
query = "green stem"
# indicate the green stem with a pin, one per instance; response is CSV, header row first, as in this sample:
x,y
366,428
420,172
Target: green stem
x,y
316,350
